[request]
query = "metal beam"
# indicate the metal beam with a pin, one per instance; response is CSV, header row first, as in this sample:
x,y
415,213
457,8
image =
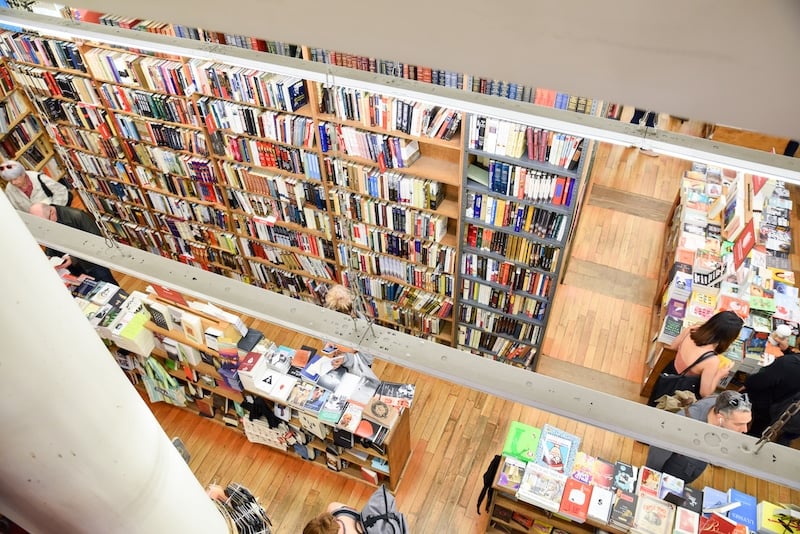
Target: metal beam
x,y
735,451
608,130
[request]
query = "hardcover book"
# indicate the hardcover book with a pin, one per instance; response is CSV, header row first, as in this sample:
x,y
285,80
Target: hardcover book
x,y
511,472
521,441
603,473
281,359
670,484
316,399
502,513
745,514
351,417
542,487
686,521
333,408
653,516
600,504
716,524
583,467
649,481
624,477
522,519
556,449
575,500
623,510
397,394
381,413
693,499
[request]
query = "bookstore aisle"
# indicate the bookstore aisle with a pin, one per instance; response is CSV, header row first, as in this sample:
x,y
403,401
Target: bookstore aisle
x,y
456,431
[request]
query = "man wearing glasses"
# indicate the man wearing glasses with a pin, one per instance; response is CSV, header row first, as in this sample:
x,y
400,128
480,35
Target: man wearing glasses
x,y
730,410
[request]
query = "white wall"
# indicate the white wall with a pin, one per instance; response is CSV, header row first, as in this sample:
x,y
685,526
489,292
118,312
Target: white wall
x,y
731,62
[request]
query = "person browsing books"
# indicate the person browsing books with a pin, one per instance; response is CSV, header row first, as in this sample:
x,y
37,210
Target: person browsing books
x,y
715,335
769,387
730,410
26,188
79,220
334,521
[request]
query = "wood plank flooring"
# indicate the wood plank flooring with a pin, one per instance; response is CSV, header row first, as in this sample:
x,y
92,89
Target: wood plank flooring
x,y
596,337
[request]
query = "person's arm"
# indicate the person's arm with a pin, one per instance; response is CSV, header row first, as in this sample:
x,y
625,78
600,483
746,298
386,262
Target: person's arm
x,y
59,191
766,378
712,374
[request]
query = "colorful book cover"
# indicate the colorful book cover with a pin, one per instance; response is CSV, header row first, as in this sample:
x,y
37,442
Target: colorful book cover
x,y
575,500
542,487
603,473
557,449
745,514
670,484
649,481
623,509
624,477
583,467
653,515
693,499
521,441
686,521
511,473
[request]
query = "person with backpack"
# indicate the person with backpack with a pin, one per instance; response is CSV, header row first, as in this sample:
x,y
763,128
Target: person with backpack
x,y
771,391
25,188
379,516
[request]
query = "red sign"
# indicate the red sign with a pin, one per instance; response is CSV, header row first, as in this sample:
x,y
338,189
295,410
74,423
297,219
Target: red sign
x,y
743,245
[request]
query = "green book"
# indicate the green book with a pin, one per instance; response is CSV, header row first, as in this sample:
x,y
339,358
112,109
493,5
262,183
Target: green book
x,y
521,441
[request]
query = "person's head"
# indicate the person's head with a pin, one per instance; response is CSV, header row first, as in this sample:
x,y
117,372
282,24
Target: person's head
x,y
780,336
721,330
731,411
13,172
323,524
45,211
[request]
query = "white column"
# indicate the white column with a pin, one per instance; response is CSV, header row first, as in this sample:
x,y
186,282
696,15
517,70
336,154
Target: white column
x,y
80,451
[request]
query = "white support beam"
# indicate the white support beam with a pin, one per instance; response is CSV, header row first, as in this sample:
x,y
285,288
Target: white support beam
x,y
607,130
774,463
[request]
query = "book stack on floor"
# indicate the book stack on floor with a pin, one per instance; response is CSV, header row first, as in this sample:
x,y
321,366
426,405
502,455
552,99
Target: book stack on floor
x,y
572,491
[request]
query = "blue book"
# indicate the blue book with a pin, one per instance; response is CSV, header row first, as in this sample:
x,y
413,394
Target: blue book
x,y
714,500
476,207
745,513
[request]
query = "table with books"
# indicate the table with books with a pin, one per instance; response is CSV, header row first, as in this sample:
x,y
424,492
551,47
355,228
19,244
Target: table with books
x,y
545,485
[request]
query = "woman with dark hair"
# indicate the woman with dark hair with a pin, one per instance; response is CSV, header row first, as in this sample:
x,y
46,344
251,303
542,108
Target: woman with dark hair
x,y
715,335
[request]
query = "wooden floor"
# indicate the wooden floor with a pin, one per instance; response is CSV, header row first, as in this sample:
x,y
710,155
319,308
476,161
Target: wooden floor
x,y
596,337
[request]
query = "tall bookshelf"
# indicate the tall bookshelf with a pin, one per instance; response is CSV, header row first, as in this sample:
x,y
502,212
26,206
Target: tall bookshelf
x,y
22,136
294,186
519,201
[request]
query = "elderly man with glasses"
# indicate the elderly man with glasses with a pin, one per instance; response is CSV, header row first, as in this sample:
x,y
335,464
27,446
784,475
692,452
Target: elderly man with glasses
x,y
729,410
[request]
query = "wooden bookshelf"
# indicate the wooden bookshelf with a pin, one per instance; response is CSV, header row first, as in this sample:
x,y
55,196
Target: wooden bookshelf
x,y
22,135
286,184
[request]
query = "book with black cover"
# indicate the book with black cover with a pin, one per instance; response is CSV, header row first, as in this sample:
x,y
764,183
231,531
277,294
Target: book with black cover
x,y
250,340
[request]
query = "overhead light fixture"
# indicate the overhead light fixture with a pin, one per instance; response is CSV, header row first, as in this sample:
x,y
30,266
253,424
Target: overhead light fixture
x,y
585,126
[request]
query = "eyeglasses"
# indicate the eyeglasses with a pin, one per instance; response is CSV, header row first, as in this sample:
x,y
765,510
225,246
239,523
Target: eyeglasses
x,y
740,399
6,166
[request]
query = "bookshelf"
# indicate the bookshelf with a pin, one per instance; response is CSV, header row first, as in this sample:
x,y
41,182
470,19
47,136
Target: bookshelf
x,y
519,202
23,136
204,375
294,186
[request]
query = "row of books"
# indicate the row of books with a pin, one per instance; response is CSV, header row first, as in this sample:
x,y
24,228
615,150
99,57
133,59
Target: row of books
x,y
415,250
401,188
388,113
495,323
519,141
544,467
513,247
403,295
147,104
265,230
12,108
426,225
506,274
288,259
55,84
521,182
389,152
430,279
41,51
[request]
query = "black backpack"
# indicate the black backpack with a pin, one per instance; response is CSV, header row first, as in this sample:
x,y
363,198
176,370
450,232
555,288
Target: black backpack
x,y
792,426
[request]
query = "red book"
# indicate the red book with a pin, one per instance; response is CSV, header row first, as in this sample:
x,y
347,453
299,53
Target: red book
x,y
575,500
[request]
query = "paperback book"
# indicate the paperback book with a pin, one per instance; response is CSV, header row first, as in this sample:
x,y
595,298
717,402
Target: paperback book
x,y
542,487
511,472
556,449
521,441
653,516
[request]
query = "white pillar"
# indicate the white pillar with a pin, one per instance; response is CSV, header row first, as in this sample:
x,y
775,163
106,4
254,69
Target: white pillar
x,y
80,451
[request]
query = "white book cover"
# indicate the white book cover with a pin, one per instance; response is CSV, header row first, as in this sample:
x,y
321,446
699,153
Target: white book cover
x,y
600,504
542,487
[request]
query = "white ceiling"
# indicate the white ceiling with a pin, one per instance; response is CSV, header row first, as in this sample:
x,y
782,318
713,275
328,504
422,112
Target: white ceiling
x,y
731,62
